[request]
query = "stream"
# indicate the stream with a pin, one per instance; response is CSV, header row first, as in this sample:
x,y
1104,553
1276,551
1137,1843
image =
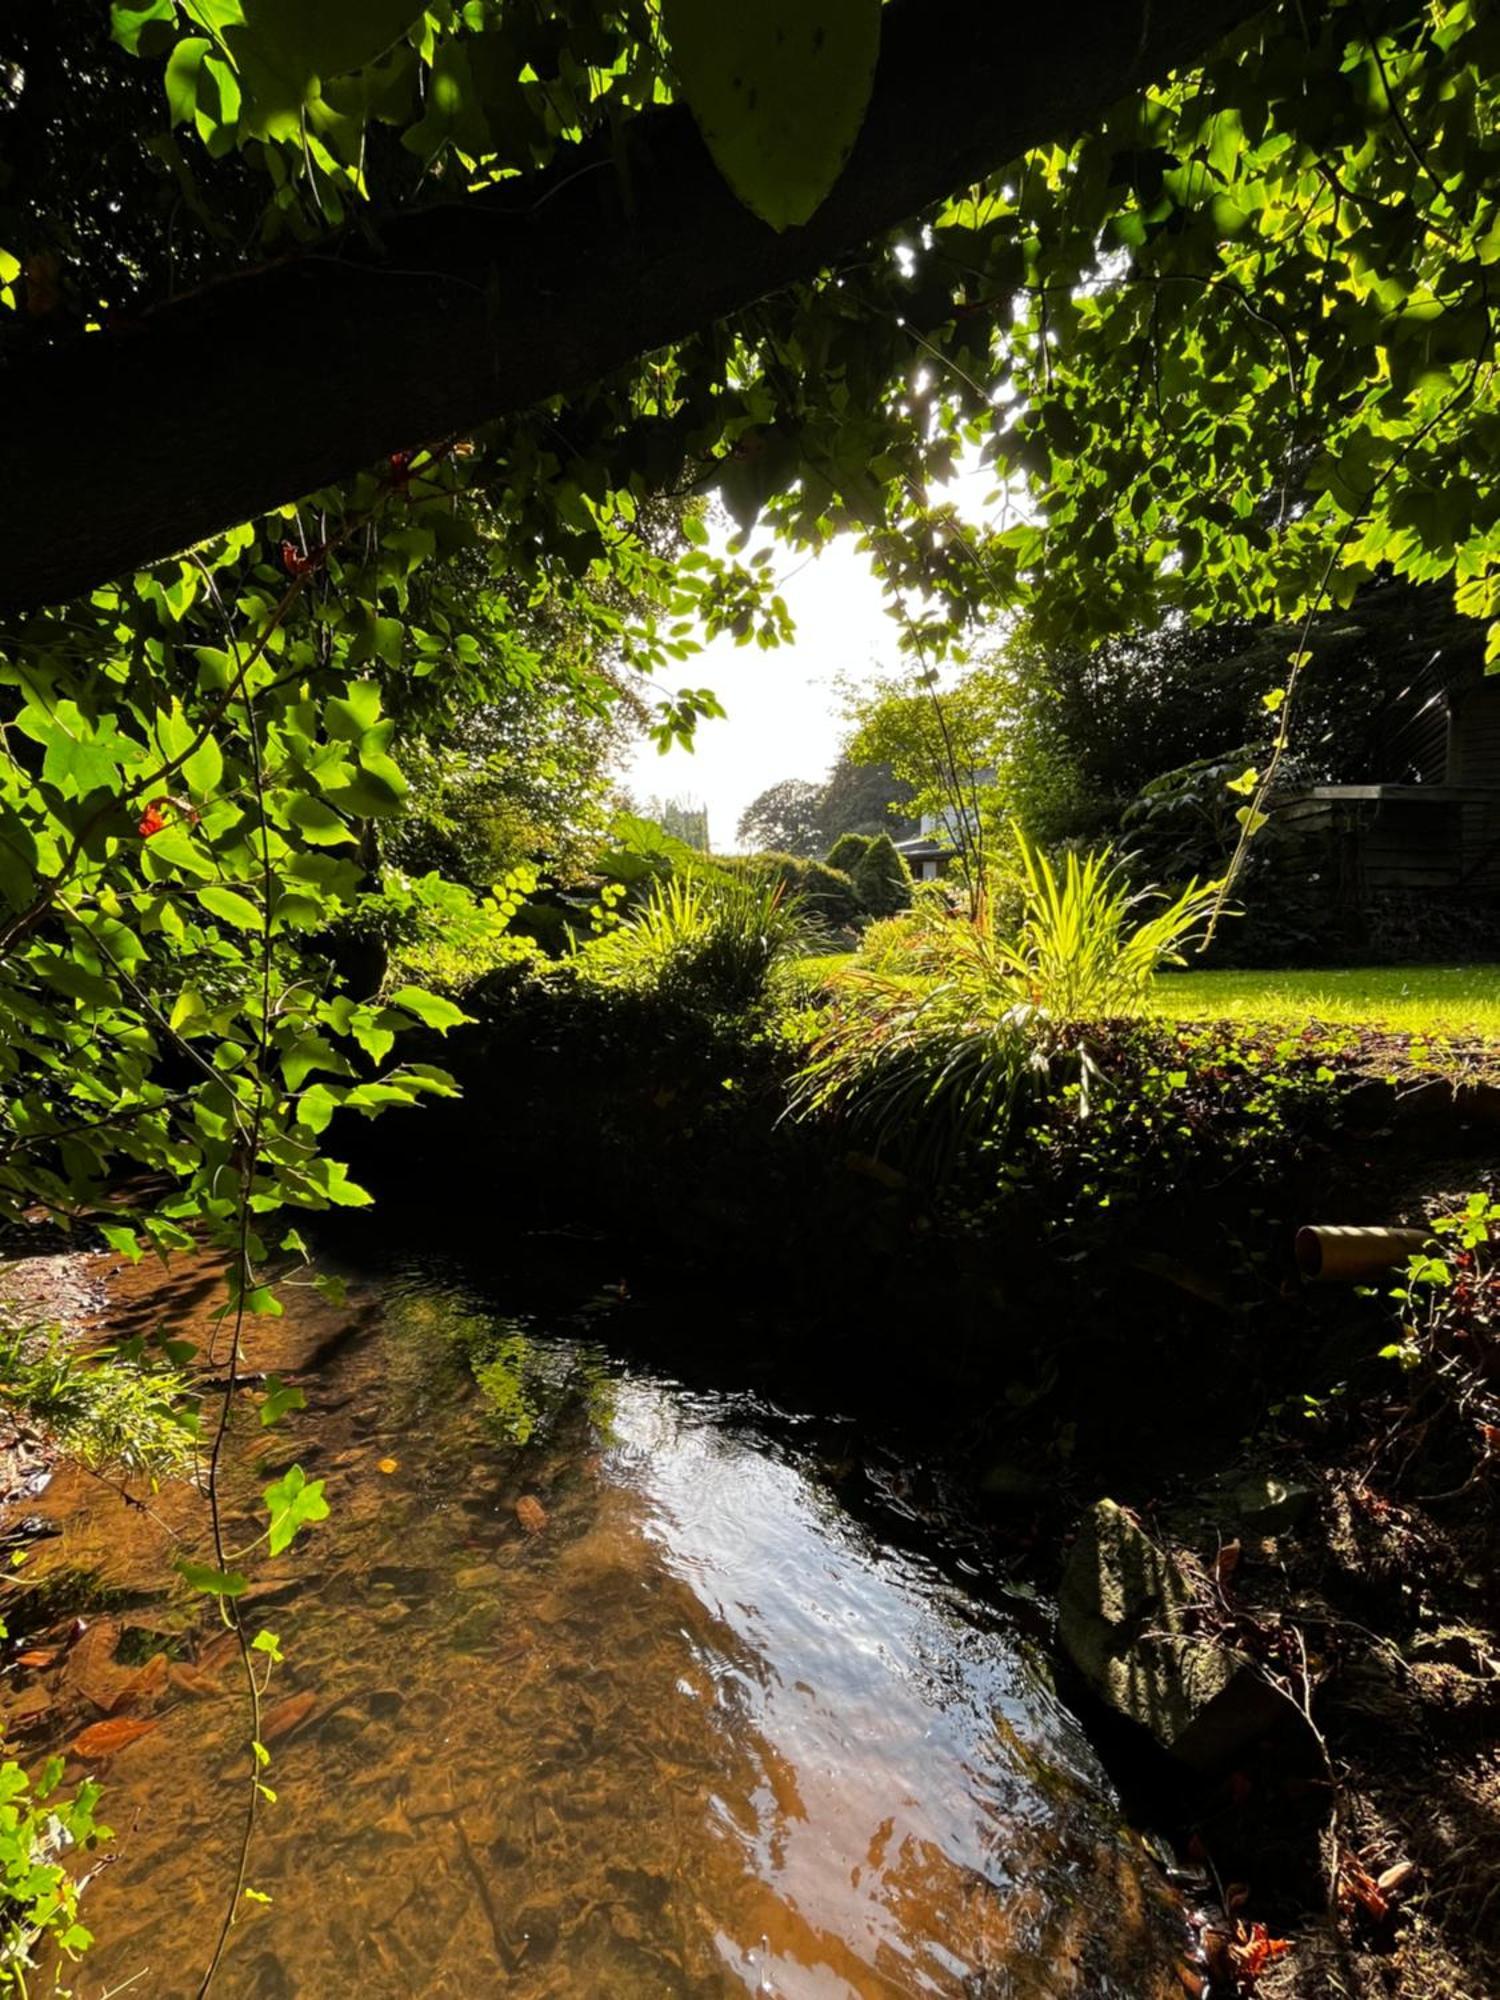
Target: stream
x,y
594,1686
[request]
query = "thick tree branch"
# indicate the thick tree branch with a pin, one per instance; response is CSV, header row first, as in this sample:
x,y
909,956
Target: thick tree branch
x,y
125,447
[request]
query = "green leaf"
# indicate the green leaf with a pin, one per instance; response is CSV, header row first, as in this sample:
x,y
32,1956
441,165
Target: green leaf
x,y
331,37
184,1007
779,91
182,77
315,1107
430,1008
346,717
268,1643
215,1582
317,822
279,1398
204,769
295,1502
122,1240
232,907
127,24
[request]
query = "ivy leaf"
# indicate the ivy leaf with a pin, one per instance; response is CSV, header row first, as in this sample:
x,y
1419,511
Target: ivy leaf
x,y
279,1398
779,91
295,1501
215,1582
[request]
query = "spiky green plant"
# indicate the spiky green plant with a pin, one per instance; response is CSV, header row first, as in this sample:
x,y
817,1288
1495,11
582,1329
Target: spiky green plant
x,y
712,939
1084,949
926,1060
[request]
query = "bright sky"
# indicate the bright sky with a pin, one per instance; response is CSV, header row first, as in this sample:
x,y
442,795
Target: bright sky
x,y
783,712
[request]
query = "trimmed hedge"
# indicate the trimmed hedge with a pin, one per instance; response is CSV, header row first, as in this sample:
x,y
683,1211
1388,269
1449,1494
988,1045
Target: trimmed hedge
x,y
848,851
882,880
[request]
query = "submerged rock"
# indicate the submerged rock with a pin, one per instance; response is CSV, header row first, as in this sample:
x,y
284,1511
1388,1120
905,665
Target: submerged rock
x,y
1124,1623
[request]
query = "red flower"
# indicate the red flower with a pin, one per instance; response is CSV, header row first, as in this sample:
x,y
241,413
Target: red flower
x,y
153,819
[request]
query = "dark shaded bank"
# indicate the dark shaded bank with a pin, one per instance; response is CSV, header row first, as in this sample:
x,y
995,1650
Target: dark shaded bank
x,y
1054,1287
1108,1313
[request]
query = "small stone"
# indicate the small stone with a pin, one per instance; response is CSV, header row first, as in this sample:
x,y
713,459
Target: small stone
x,y
1264,1504
483,1576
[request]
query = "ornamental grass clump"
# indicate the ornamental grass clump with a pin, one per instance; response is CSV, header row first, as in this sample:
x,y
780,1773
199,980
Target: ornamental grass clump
x,y
713,941
982,1015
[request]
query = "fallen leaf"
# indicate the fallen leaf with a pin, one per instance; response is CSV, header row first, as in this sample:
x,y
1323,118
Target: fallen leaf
x,y
94,1670
103,1739
287,1715
42,1657
531,1514
192,1680
222,1646
388,1465
1226,1562
1256,1950
1395,1881
1357,1885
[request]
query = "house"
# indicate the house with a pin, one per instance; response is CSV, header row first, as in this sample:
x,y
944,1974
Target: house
x,y
941,837
1366,848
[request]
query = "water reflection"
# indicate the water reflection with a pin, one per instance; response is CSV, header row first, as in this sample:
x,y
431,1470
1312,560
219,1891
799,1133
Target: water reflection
x,y
633,1707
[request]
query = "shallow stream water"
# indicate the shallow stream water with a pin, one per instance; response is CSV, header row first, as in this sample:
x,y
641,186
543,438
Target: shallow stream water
x,y
593,1687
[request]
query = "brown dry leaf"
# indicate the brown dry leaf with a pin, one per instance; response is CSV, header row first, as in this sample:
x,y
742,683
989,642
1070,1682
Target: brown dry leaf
x,y
1226,1563
192,1680
103,1739
388,1465
94,1670
215,1651
1357,1885
531,1514
287,1715
42,1657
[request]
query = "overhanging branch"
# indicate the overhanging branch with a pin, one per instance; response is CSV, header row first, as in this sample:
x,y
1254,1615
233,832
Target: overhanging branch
x,y
125,447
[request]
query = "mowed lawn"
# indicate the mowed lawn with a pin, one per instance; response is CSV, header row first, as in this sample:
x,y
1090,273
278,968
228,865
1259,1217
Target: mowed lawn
x,y
1408,999
1441,1000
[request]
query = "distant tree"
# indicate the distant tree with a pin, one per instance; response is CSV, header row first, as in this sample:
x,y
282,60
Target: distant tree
x,y
882,880
866,798
785,819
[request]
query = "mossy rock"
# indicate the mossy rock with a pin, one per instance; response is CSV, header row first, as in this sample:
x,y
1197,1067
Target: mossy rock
x,y
1123,1621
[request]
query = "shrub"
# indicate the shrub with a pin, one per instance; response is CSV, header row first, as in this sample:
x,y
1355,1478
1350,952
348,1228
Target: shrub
x,y
848,851
825,893
882,880
712,941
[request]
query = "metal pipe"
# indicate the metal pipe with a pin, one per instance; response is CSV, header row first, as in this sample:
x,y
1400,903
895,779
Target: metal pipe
x,y
1335,1255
